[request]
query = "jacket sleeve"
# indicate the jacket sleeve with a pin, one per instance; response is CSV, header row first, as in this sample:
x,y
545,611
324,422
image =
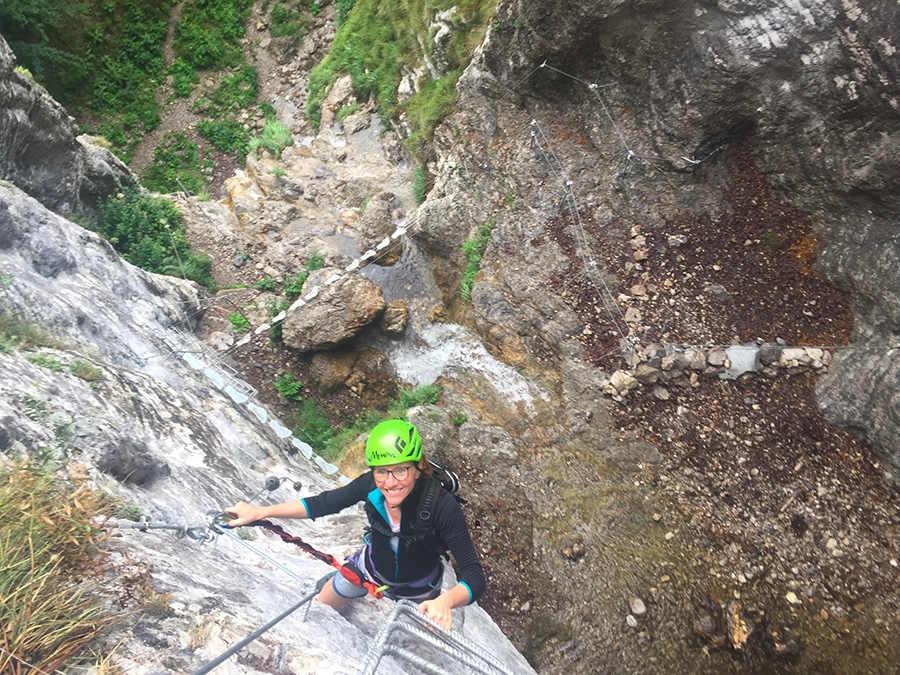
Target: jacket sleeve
x,y
450,524
333,501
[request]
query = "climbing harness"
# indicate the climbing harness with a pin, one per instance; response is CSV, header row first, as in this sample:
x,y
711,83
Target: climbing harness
x,y
218,522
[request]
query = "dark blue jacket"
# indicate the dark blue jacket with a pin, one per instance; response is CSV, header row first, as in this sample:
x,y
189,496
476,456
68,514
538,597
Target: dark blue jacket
x,y
414,559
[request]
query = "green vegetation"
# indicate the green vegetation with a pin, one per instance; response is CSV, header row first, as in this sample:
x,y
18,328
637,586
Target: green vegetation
x,y
458,419
286,22
234,93
208,37
227,135
103,59
348,110
295,287
184,77
147,232
288,387
86,370
312,427
473,249
315,261
343,8
265,284
16,333
426,394
44,361
96,57
378,39
175,167
273,309
51,609
275,138
127,512
239,322
420,184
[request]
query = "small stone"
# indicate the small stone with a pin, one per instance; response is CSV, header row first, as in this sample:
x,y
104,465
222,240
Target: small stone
x,y
631,621
638,608
657,517
670,536
792,598
661,393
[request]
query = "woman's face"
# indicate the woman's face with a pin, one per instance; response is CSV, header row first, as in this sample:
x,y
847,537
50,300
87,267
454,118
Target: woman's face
x,y
396,481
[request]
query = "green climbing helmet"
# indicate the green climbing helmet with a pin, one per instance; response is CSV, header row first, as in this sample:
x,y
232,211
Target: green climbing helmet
x,y
393,442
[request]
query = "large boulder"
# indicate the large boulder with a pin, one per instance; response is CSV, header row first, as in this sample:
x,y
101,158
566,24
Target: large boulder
x,y
337,314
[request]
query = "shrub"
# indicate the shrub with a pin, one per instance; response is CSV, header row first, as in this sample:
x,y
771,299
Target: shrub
x,y
184,76
312,427
86,371
343,8
376,42
426,394
288,387
16,333
208,36
238,322
175,166
268,111
458,419
295,287
348,110
44,361
284,22
275,138
265,284
473,249
273,309
147,232
315,261
234,93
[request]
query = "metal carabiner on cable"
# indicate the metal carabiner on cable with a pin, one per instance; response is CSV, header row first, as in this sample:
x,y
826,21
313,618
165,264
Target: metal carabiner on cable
x,y
218,521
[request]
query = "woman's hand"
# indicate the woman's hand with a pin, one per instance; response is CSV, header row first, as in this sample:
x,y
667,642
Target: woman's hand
x,y
438,610
244,513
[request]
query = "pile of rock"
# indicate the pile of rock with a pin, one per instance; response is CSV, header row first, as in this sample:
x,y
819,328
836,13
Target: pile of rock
x,y
660,366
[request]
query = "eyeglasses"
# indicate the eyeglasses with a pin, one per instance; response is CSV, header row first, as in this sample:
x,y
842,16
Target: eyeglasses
x,y
399,473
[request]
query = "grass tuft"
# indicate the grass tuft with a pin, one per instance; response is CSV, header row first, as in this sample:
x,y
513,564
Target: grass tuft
x,y
47,547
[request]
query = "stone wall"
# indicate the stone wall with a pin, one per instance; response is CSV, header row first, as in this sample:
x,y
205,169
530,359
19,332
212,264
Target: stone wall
x,y
663,366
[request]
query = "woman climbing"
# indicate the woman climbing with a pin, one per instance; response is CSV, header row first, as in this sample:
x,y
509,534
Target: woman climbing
x,y
412,520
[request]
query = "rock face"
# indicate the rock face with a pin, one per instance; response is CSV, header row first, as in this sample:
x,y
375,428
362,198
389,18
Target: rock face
x,y
688,78
41,151
862,392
